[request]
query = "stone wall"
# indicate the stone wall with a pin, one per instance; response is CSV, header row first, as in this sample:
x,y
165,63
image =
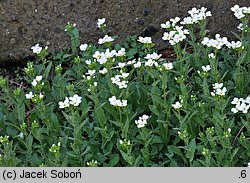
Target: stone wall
x,y
24,23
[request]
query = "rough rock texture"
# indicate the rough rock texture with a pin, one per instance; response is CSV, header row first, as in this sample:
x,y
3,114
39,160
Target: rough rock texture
x,y
24,23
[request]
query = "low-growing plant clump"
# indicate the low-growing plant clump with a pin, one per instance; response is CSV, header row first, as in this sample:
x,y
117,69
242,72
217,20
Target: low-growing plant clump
x,y
125,105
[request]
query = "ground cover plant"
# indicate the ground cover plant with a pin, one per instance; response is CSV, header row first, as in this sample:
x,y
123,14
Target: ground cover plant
x,y
110,104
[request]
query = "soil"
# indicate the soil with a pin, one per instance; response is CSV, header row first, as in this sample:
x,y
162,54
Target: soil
x,y
23,23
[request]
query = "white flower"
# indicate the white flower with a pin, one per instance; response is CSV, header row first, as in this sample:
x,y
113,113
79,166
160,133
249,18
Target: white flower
x,y
235,101
187,21
218,42
142,121
240,12
241,105
105,39
116,102
39,78
247,100
234,110
145,40
217,86
116,79
103,71
166,25
83,47
168,66
211,55
121,65
91,72
29,95
177,105
175,21
137,65
36,49
153,56
206,68
97,55
196,15
34,82
121,52
110,54
75,100
240,26
41,95
131,62
124,75
151,62
221,92
235,45
64,104
101,22
88,62
21,135
175,36
248,164
122,84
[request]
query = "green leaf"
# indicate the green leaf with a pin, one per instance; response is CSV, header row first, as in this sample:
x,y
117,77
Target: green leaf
x,y
174,150
191,150
129,159
114,159
70,119
21,112
47,71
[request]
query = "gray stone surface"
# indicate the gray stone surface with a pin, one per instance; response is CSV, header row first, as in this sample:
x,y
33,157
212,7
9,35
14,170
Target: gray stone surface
x,y
24,23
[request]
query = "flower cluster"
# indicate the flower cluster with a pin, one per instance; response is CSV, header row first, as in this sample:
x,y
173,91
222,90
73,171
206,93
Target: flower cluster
x,y
235,45
218,90
240,12
101,23
38,85
92,163
241,105
177,105
227,133
168,66
103,71
142,121
75,101
196,15
205,70
116,102
103,57
145,40
205,151
55,149
121,83
37,80
83,47
37,49
105,39
183,134
125,145
4,139
152,59
35,97
211,55
217,43
171,23
178,34
90,74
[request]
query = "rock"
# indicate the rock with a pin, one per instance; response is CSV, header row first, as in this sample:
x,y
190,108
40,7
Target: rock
x,y
24,23
146,11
